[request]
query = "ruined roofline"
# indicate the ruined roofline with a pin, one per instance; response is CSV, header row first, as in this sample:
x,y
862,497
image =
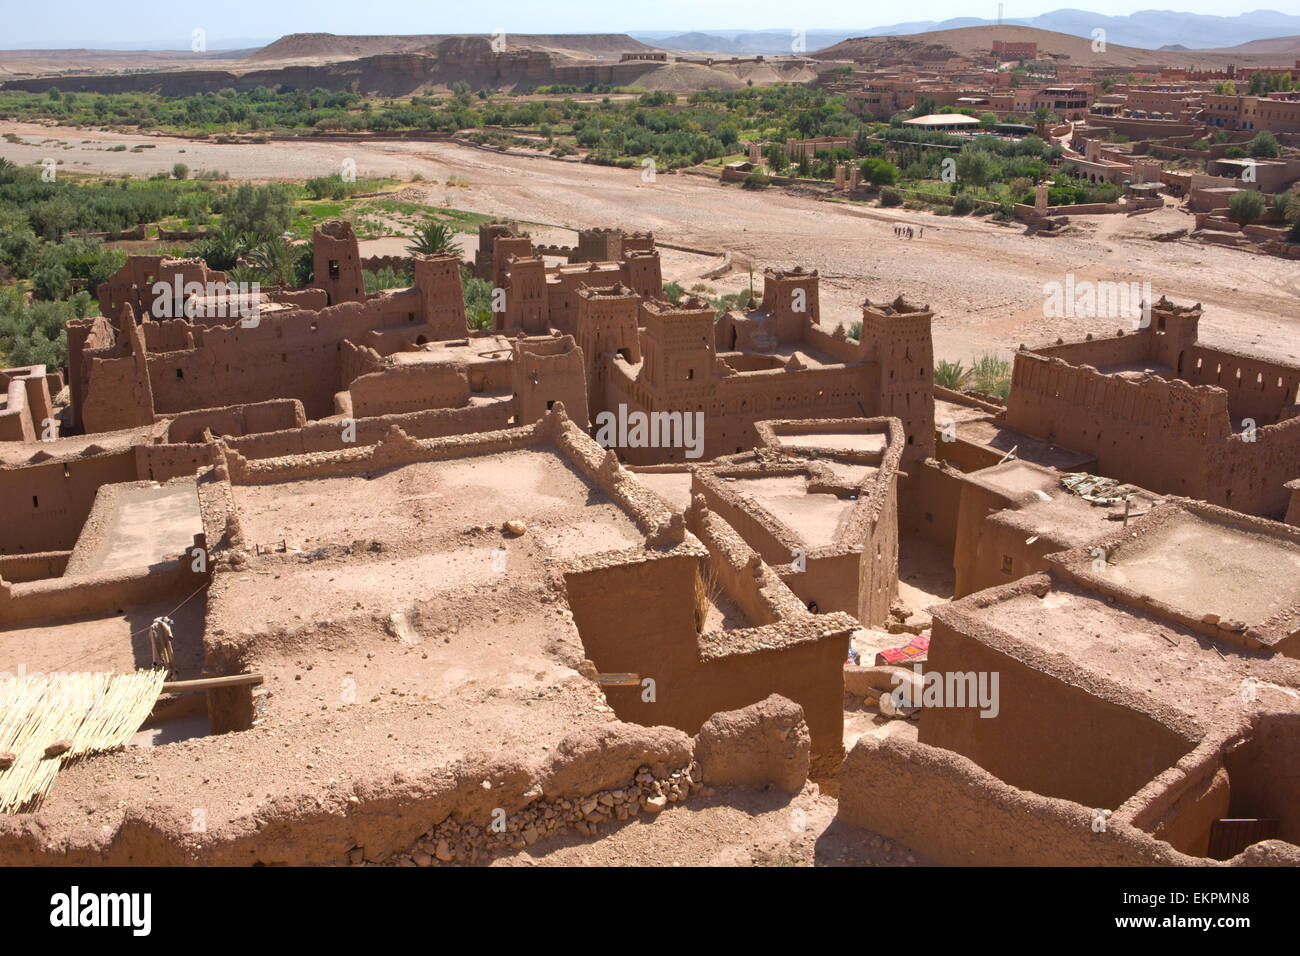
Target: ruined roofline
x,y
335,229
691,305
616,291
795,272
899,307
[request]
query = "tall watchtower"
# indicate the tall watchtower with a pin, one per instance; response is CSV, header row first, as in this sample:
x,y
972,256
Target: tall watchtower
x,y
337,262
896,335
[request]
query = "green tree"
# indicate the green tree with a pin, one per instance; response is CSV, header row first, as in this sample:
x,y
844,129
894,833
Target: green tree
x,y
433,238
975,168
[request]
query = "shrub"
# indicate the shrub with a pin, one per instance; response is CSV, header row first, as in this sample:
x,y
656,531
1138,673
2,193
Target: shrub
x,y
1264,146
756,180
1246,206
180,171
992,375
891,197
963,205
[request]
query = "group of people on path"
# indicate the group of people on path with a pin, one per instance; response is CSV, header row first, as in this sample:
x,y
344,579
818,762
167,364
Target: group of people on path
x,y
908,232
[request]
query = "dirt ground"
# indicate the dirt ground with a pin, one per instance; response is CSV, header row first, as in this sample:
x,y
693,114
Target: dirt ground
x,y
984,280
727,827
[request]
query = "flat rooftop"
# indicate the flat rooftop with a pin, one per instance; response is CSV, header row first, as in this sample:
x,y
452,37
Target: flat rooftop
x,y
489,348
138,525
814,518
1166,665
835,441
1202,566
399,631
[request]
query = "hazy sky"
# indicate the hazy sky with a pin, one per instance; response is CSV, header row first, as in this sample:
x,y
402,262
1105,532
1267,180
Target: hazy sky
x,y
168,24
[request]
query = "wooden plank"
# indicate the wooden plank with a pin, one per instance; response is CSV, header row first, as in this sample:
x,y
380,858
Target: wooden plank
x,y
619,680
208,683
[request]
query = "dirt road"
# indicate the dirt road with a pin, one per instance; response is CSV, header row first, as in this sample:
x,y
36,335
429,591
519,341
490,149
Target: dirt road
x,y
984,280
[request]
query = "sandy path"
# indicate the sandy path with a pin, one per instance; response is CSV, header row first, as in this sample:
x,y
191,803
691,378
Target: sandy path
x,y
984,280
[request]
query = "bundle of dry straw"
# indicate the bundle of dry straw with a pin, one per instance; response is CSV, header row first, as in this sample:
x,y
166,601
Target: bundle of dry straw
x,y
96,712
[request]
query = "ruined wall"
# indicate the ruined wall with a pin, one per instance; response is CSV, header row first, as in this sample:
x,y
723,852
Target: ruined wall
x,y
546,371
295,354
236,420
327,436
120,393
408,388
660,642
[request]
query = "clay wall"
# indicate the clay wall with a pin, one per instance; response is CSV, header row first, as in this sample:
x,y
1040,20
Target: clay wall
x,y
1049,736
16,417
1152,433
169,335
16,568
791,302
409,388
164,462
327,436
983,821
563,285
336,262
546,371
1251,476
443,298
100,593
1256,388
293,354
84,336
1102,351
236,420
47,503
660,642
1264,774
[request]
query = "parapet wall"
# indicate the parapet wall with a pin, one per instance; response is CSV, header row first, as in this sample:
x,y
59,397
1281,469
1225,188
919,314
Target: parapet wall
x,y
99,593
1154,433
971,818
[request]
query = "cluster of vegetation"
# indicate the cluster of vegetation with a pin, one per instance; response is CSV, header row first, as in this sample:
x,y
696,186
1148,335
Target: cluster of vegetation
x,y
1247,206
1261,84
988,374
34,334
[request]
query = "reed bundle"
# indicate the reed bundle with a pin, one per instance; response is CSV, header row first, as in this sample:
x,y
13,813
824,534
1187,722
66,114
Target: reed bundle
x,y
95,711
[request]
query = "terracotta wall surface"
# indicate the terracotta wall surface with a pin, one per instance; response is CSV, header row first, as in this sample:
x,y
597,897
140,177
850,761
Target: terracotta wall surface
x,y
1050,737
46,503
972,818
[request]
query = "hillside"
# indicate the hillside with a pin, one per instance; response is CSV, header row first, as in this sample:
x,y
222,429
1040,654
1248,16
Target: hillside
x,y
978,41
1281,49
325,47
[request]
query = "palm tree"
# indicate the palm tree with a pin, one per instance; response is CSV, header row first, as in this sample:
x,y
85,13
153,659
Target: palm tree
x,y
275,261
434,238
